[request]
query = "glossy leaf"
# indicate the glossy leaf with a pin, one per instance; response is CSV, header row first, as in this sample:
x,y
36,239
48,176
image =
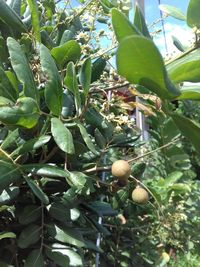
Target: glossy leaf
x,y
186,68
62,136
9,173
102,208
72,84
98,67
53,88
191,92
31,145
67,36
9,194
29,214
139,22
11,18
122,26
37,191
66,235
29,236
87,138
16,6
6,88
140,62
85,76
7,235
35,18
193,18
172,11
34,259
69,51
189,129
24,113
22,69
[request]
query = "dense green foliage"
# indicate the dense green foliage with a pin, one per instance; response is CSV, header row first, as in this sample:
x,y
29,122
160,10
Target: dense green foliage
x,y
61,130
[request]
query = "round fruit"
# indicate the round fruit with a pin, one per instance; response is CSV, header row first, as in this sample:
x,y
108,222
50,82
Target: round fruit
x,y
140,195
121,169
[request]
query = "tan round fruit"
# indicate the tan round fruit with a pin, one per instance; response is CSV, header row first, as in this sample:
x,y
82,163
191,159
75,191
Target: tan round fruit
x,y
121,169
140,195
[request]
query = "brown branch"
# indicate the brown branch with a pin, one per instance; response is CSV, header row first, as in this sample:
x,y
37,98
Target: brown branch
x,y
111,88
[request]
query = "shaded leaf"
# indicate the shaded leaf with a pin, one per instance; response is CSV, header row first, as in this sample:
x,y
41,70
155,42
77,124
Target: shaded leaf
x,y
98,67
11,18
9,194
59,211
22,69
6,88
29,235
190,92
102,208
53,88
35,259
62,136
9,173
37,191
140,62
29,214
57,257
139,21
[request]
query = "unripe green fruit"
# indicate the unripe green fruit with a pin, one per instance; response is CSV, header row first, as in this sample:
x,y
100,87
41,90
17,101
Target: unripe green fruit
x,y
140,195
121,169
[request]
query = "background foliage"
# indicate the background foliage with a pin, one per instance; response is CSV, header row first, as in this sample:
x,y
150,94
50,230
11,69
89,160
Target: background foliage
x,y
66,115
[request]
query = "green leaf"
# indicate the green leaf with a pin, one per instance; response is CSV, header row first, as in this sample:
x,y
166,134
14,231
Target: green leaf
x,y
29,214
22,69
85,76
139,22
186,68
32,144
16,6
66,235
45,170
67,36
34,259
102,208
172,178
29,236
190,92
9,194
193,18
35,18
69,51
180,188
99,139
72,84
98,67
58,257
53,88
87,138
10,139
11,18
9,173
189,129
172,11
3,264
140,62
7,235
81,182
62,136
37,191
178,44
65,254
6,88
122,26
24,113
59,212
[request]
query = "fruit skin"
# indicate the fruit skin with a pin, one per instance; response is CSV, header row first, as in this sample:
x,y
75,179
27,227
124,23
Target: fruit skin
x,y
121,169
140,195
